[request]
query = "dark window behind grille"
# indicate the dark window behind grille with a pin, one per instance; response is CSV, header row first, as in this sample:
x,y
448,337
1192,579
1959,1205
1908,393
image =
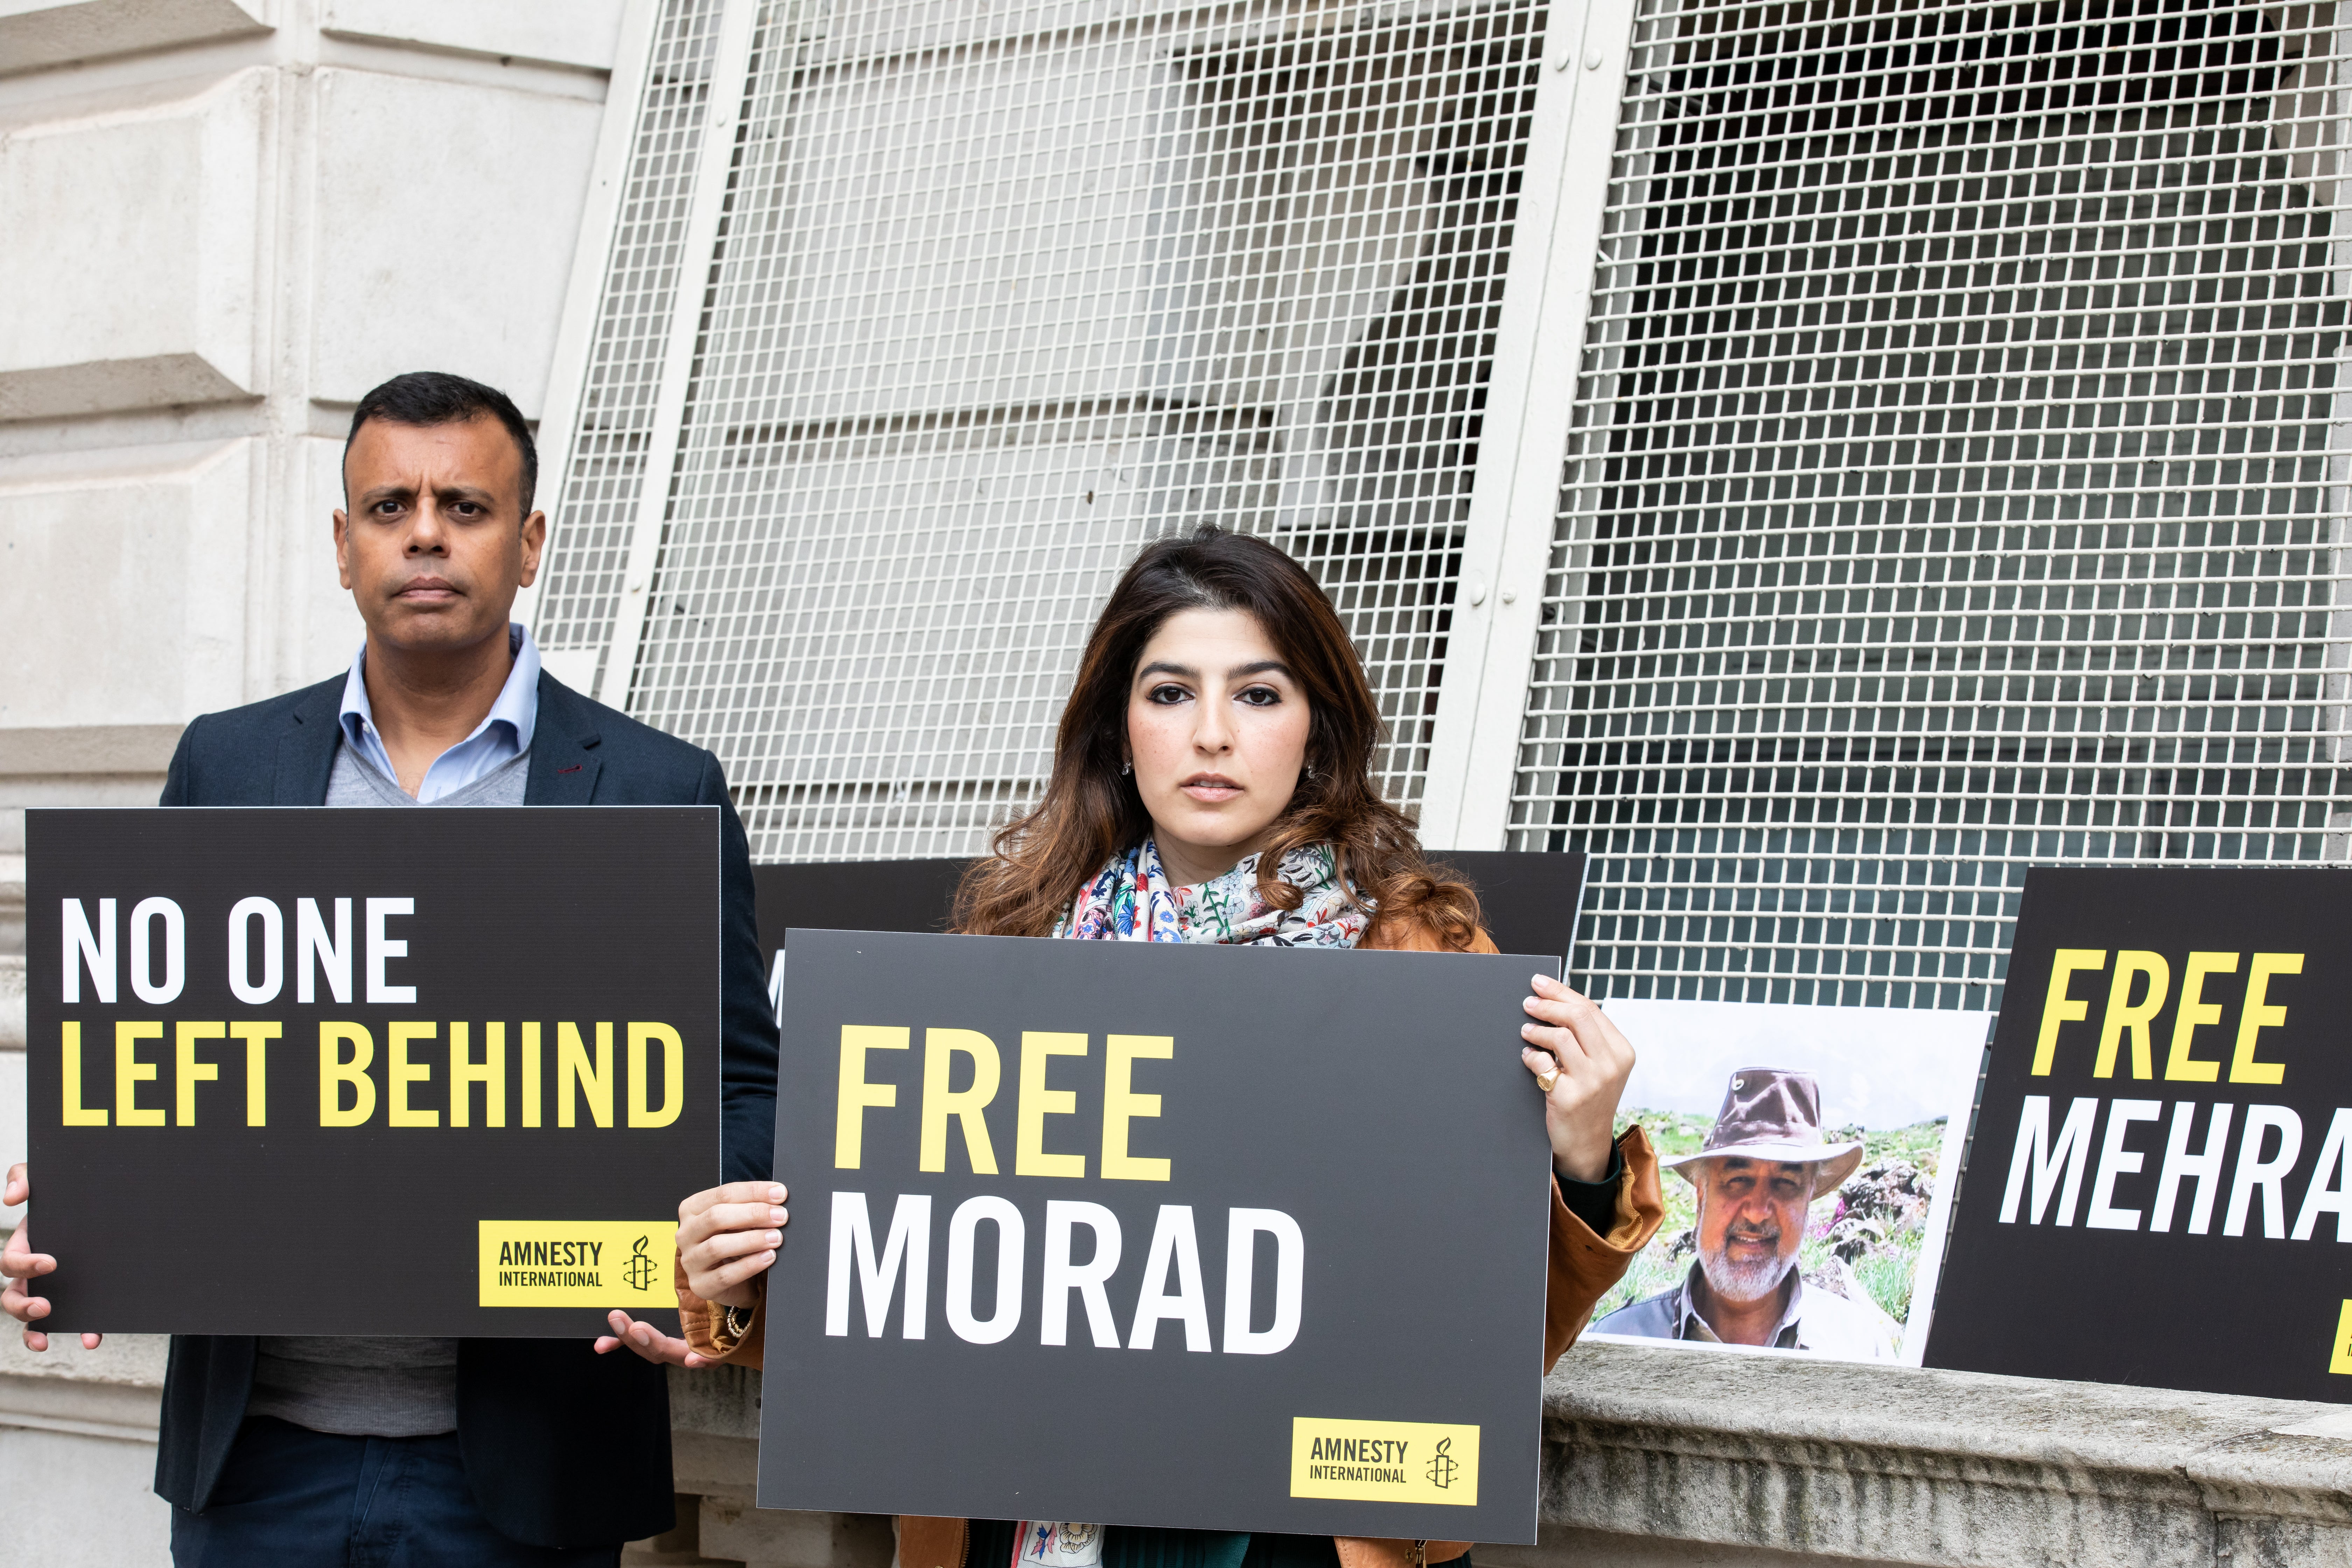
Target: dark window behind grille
x,y
992,306
599,497
1400,422
1948,489
1372,491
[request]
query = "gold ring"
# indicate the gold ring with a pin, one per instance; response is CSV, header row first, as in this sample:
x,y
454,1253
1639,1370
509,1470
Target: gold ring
x,y
1544,1080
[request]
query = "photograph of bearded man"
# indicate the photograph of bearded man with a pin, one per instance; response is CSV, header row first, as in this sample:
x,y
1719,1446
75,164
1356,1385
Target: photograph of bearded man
x,y
1764,1165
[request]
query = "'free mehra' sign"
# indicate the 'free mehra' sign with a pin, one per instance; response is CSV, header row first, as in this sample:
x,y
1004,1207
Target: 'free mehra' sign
x,y
2164,1146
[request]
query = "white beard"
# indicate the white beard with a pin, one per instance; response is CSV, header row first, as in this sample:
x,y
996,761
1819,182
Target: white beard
x,y
1749,1281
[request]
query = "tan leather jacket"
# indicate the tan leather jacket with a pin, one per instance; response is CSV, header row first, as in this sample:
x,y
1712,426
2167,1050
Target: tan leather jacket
x,y
1584,1266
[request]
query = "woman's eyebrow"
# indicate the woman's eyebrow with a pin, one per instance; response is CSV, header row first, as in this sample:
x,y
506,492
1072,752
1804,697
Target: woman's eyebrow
x,y
1239,671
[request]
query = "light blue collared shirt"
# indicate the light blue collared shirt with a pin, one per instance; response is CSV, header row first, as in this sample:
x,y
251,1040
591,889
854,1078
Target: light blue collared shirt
x,y
495,741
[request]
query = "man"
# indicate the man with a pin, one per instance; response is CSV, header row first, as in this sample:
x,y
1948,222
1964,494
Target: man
x,y
395,1451
1764,1163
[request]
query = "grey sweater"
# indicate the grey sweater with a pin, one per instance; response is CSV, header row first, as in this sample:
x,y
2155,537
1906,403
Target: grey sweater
x,y
352,1384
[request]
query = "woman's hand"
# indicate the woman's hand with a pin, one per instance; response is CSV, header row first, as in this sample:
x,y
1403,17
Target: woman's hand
x,y
1572,1043
727,1237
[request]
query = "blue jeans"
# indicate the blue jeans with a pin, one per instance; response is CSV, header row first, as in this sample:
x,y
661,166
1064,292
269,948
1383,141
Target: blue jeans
x,y
292,1498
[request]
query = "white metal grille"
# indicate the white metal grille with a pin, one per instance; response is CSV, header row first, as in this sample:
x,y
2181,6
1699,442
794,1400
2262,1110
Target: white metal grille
x,y
598,496
1955,482
998,296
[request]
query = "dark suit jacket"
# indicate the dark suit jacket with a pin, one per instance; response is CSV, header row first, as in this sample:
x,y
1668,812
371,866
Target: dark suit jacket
x,y
564,1446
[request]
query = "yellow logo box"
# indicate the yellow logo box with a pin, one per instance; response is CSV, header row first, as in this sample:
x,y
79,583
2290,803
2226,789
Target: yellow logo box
x,y
1384,1461
577,1263
2342,1359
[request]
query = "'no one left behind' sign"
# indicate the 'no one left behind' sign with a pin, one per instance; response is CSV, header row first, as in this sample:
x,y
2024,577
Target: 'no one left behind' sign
x,y
1231,1239
297,1070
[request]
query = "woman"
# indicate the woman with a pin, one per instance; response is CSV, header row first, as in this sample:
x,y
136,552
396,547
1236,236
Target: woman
x,y
1211,782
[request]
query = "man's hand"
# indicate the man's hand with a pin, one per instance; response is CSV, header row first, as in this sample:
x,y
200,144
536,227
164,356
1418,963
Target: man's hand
x,y
1567,1036
648,1341
727,1237
19,1263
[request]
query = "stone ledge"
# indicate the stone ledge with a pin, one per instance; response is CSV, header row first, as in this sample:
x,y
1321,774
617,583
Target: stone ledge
x,y
32,34
81,749
128,1360
722,1402
731,1529
12,990
1665,1458
84,1409
115,1392
581,34
1655,1458
1563,1546
106,386
1849,1463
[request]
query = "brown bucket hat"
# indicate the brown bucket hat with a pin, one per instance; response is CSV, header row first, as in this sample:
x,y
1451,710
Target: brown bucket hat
x,y
1771,1114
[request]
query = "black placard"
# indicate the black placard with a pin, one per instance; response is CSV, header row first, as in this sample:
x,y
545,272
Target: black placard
x,y
2093,1238
1373,1101
584,938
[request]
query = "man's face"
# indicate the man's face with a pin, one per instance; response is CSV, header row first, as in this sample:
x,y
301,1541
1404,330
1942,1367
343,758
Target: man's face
x,y
434,544
1751,1219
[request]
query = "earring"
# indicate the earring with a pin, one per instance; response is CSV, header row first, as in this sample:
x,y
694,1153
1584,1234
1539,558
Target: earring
x,y
1125,768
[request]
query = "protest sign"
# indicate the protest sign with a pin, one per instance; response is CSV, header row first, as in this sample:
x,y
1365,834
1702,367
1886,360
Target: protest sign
x,y
1237,1238
410,1073
2161,1172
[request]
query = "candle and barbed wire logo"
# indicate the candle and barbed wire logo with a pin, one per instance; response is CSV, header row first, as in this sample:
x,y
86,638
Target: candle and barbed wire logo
x,y
640,1270
575,1263
1384,1461
1442,1469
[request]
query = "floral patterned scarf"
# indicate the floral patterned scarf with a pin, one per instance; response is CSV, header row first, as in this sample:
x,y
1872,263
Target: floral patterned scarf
x,y
1131,900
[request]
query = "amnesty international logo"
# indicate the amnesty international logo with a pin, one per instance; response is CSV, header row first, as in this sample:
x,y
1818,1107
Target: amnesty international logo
x,y
1442,1468
1384,1461
574,1263
640,1270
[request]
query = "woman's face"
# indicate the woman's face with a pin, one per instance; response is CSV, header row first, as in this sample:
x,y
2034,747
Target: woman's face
x,y
1216,727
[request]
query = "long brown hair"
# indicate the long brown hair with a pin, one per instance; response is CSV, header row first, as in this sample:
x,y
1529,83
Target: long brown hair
x,y
1091,811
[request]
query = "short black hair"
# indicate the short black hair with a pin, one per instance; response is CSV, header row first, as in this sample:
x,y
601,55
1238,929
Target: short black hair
x,y
428,398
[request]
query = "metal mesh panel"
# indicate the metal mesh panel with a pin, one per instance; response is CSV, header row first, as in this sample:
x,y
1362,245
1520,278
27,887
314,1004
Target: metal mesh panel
x,y
996,300
1954,483
600,491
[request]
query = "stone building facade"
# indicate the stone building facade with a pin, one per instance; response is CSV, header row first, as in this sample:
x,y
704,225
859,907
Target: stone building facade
x,y
1815,462
223,221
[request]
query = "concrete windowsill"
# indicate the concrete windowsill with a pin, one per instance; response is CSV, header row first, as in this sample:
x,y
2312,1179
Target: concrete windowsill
x,y
1669,1455
115,1391
1848,1462
1658,1457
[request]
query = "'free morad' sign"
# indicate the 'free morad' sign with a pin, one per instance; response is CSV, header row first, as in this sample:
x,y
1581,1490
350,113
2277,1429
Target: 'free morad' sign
x,y
1154,1233
302,1071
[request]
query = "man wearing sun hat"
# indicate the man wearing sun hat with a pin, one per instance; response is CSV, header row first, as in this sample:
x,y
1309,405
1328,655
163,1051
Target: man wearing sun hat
x,y
1764,1163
